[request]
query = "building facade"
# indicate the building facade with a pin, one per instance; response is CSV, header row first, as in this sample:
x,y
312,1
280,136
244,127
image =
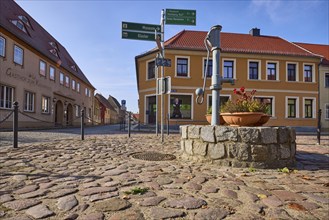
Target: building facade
x,y
38,73
284,75
322,50
104,111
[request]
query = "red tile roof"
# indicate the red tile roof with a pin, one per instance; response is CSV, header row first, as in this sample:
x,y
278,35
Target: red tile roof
x,y
320,49
237,43
104,101
37,37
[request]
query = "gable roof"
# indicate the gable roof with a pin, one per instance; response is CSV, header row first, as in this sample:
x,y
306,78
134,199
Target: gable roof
x,y
38,38
104,101
320,49
115,102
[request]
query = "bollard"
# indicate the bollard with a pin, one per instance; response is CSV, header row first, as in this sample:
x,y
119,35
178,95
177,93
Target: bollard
x,y
15,125
129,124
168,117
319,127
82,124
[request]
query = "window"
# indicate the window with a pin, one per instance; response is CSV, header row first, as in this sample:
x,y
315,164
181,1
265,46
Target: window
x,y
253,70
24,19
42,68
18,55
291,72
269,102
6,97
209,71
228,69
223,99
67,81
292,108
19,24
78,87
77,110
327,112
2,46
54,52
73,84
51,73
61,78
181,107
271,71
308,108
182,67
326,80
87,92
151,70
45,104
29,101
308,75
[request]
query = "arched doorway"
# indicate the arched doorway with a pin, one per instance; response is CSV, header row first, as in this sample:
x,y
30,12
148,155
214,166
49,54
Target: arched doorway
x,y
69,115
59,113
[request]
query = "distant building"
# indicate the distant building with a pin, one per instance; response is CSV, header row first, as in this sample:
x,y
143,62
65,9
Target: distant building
x,y
120,113
322,50
104,111
284,75
39,73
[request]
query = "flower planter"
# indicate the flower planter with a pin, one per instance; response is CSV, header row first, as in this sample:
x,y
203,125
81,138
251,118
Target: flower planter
x,y
263,120
221,120
242,118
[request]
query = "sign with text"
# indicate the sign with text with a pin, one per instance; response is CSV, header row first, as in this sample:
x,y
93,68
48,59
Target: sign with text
x,y
163,62
138,36
139,31
180,17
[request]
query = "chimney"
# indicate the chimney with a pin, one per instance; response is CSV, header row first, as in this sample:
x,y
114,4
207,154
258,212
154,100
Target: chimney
x,y
254,32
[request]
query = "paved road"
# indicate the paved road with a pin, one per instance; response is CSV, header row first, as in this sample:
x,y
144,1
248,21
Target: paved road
x,y
96,179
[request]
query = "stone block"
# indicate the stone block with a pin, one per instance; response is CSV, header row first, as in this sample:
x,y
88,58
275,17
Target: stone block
x,y
183,130
194,131
260,152
200,148
293,149
239,151
189,147
273,150
208,134
225,133
285,151
292,134
268,135
238,164
216,151
182,145
249,135
283,135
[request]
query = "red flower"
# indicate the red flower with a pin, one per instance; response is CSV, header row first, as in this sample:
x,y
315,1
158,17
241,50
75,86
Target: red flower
x,y
234,91
242,89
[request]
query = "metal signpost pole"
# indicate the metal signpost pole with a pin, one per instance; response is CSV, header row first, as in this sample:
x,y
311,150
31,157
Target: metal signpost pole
x,y
156,99
215,79
162,72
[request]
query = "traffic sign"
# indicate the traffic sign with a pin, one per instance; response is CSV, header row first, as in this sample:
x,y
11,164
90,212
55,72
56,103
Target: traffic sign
x,y
138,35
163,62
180,17
130,26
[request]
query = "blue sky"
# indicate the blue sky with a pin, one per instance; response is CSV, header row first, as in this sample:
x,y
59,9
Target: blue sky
x,y
91,30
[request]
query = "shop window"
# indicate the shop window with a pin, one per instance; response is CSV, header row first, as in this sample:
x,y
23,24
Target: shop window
x,y
181,107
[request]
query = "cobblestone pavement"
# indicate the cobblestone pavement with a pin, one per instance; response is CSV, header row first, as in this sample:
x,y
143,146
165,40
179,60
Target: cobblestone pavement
x,y
99,178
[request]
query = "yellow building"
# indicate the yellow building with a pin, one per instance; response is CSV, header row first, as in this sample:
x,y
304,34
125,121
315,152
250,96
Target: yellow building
x,y
38,73
284,75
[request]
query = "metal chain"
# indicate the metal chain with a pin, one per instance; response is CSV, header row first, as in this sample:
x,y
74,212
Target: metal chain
x,y
3,120
35,118
92,120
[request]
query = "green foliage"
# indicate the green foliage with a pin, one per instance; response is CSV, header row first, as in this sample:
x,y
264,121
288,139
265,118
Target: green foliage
x,y
137,190
284,170
251,169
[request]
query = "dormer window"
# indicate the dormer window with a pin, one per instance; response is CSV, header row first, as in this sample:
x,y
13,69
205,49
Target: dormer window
x,y
74,68
19,24
25,20
54,52
53,44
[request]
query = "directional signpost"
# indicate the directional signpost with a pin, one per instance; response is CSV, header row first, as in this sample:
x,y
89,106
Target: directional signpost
x,y
180,17
163,62
138,31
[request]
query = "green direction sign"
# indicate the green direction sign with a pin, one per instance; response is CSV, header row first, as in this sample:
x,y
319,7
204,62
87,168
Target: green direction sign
x,y
138,35
180,17
130,26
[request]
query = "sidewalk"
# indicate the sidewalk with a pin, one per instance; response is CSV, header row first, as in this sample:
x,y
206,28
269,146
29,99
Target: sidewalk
x,y
97,179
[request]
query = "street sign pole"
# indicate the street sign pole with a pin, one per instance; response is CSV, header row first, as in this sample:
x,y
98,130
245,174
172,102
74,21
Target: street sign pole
x,y
162,72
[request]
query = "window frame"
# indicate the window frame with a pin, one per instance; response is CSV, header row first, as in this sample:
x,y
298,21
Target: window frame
x,y
276,69
73,84
312,72
192,105
313,107
259,69
29,107
78,87
273,102
209,97
22,54
50,77
187,69
45,109
77,111
234,67
148,69
296,107
45,68
204,60
296,72
67,81
3,39
326,113
326,80
5,95
61,78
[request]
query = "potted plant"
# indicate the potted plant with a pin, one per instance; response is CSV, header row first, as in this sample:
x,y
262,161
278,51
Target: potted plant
x,y
243,110
208,116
